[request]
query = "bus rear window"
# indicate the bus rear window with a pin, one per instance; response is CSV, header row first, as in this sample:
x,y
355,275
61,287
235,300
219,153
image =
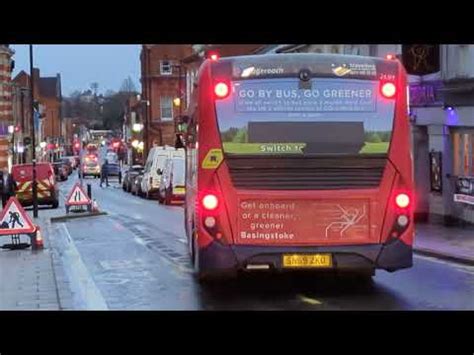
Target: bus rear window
x,y
321,116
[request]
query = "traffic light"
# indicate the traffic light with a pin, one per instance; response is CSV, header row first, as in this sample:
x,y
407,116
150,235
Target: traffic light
x,y
421,59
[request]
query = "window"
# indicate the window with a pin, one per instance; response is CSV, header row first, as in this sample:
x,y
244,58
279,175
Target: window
x,y
165,67
463,149
166,106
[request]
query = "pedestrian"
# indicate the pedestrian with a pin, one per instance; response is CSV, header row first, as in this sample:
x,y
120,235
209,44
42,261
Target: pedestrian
x,y
104,173
9,187
3,188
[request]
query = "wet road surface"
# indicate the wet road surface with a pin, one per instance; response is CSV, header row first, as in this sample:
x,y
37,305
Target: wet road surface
x,y
135,258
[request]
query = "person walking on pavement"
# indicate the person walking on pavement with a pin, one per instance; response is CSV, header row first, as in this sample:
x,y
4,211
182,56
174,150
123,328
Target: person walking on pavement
x,y
104,173
8,187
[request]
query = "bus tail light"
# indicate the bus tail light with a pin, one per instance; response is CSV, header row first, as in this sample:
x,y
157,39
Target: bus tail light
x,y
402,200
221,90
388,90
210,202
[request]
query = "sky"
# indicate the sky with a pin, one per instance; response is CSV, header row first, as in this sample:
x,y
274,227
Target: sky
x,y
81,65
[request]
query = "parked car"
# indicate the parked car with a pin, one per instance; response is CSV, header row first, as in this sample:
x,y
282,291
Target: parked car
x,y
172,184
47,187
129,177
67,162
154,167
61,171
136,186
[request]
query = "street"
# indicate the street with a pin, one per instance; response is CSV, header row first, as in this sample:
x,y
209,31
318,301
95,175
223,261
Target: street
x,y
135,258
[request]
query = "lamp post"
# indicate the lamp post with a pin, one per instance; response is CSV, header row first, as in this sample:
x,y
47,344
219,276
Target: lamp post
x,y
33,141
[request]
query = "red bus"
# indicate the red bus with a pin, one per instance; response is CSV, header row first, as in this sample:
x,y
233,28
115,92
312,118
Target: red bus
x,y
299,161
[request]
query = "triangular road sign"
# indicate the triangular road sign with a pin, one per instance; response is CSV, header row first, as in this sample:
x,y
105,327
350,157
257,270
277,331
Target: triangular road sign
x,y
15,220
77,196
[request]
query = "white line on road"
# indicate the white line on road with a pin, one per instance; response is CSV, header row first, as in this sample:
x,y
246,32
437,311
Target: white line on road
x,y
87,295
463,268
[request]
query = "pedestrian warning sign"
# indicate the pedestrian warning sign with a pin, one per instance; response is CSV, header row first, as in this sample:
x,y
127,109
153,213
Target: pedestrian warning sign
x,y
77,197
213,159
15,220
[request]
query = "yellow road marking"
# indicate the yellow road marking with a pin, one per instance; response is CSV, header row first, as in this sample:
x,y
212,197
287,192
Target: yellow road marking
x,y
309,300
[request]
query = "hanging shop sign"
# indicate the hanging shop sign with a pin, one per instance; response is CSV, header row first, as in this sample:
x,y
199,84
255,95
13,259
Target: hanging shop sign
x,y
464,190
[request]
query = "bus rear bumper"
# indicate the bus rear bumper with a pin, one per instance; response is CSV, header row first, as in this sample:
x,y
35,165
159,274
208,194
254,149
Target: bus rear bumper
x,y
391,256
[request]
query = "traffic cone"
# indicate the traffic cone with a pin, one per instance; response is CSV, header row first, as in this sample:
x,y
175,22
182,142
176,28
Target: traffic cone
x,y
95,206
38,240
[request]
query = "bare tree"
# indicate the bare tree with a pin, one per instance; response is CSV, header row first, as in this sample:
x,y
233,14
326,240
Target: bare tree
x,y
128,86
95,88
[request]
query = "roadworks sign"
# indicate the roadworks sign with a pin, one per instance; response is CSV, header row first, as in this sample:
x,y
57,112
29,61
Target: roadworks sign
x,y
77,197
15,220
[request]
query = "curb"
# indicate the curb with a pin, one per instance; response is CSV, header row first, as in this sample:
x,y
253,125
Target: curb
x,y
450,257
65,218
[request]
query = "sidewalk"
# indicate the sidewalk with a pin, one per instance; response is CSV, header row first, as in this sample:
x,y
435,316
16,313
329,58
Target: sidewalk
x,y
452,243
30,279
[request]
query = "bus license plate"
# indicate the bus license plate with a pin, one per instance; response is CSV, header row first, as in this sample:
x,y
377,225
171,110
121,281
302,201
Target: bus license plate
x,y
179,190
307,260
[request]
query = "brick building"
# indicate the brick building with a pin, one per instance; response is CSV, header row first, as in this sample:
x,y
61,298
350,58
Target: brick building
x,y
167,73
6,115
160,79
50,97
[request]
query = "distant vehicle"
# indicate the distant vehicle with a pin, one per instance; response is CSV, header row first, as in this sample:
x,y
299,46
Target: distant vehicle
x,y
61,171
114,169
129,177
67,162
172,184
111,157
154,167
90,166
47,188
73,161
136,186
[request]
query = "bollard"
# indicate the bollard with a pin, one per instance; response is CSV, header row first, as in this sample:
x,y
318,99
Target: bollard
x,y
89,191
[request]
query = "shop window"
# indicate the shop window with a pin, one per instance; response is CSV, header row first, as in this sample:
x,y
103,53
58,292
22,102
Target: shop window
x,y
463,150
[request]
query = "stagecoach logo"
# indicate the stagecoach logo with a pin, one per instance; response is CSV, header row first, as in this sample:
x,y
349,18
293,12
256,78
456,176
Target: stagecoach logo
x,y
252,71
341,70
354,69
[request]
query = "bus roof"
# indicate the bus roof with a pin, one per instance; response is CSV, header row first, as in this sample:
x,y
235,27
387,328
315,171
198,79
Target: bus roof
x,y
290,64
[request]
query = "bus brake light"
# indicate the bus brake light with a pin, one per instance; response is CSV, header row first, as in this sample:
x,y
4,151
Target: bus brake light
x,y
210,202
402,200
388,90
221,90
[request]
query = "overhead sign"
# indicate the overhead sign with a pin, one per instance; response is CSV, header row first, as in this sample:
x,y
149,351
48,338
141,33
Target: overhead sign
x,y
77,197
15,220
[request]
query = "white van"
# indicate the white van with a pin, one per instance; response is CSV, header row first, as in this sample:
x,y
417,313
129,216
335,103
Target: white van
x,y
154,168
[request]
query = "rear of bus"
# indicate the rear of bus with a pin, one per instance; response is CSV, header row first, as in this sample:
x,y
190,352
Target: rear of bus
x,y
302,161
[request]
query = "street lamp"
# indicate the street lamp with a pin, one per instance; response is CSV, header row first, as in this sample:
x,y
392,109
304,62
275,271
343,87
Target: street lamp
x,y
137,127
33,139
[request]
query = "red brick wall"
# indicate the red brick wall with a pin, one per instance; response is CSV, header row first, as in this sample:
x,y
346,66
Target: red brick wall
x,y
161,85
51,120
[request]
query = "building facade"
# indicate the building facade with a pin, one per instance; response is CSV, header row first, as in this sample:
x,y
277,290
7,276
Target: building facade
x,y
162,80
6,107
442,112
